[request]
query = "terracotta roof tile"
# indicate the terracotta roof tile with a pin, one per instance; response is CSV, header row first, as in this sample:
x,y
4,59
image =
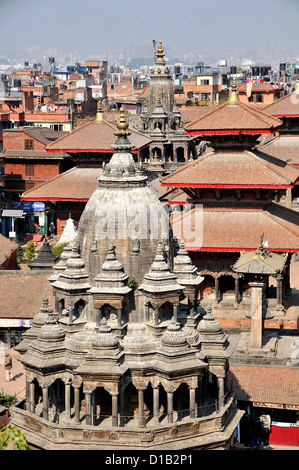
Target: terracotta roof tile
x,y
238,118
234,169
236,229
260,384
7,247
95,136
283,147
286,106
30,287
75,184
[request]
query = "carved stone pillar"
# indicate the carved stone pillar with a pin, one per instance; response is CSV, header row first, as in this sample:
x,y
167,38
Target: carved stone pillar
x,y
170,407
279,291
237,290
217,291
193,409
175,312
45,402
141,420
68,399
156,404
256,314
220,381
88,407
77,404
114,409
32,397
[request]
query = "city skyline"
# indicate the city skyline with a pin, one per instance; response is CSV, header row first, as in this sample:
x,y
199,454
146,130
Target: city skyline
x,y
93,29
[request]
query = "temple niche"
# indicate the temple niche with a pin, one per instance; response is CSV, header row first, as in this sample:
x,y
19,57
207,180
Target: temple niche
x,y
126,358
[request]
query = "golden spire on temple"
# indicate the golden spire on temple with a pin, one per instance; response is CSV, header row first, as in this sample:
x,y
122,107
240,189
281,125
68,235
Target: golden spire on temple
x,y
233,98
122,125
160,51
99,116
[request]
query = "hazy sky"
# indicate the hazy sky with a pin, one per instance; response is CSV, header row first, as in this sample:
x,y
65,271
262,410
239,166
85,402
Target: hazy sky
x,y
98,26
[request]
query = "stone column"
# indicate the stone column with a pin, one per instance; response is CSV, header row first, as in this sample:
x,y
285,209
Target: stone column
x,y
122,407
217,296
237,290
32,397
68,399
156,404
88,407
77,404
220,381
175,312
71,312
256,314
119,317
279,296
170,407
193,409
141,408
45,402
114,409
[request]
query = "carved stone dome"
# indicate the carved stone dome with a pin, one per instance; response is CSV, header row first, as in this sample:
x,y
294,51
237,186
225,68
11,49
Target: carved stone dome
x,y
104,338
51,332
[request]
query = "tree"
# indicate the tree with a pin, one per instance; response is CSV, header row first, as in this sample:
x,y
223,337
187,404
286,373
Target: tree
x,y
12,432
30,250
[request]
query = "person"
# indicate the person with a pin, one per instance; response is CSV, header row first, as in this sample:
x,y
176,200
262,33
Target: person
x,y
256,435
8,367
266,425
52,229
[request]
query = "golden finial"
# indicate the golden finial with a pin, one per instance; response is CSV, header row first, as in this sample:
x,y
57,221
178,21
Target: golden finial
x,y
99,116
233,98
122,125
160,51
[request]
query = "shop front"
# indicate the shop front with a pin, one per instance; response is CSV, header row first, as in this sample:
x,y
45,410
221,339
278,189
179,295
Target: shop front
x,y
36,220
284,422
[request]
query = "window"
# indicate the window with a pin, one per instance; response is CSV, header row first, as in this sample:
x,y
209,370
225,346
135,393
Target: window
x,y
56,127
28,144
29,169
259,98
205,97
204,82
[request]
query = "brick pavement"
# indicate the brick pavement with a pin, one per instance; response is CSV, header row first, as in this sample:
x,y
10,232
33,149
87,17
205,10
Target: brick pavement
x,y
18,385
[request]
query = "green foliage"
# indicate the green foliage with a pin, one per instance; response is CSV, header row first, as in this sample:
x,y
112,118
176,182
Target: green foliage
x,y
20,254
12,432
6,400
132,283
30,250
58,249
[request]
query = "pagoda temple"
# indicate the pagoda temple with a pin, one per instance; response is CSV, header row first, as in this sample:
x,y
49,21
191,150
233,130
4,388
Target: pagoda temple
x,y
235,186
125,359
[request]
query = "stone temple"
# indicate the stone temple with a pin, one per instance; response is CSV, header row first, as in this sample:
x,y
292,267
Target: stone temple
x,y
126,358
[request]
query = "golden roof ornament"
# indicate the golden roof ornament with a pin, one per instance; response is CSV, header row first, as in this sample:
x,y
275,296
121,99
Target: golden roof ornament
x,y
122,126
100,114
233,98
160,51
